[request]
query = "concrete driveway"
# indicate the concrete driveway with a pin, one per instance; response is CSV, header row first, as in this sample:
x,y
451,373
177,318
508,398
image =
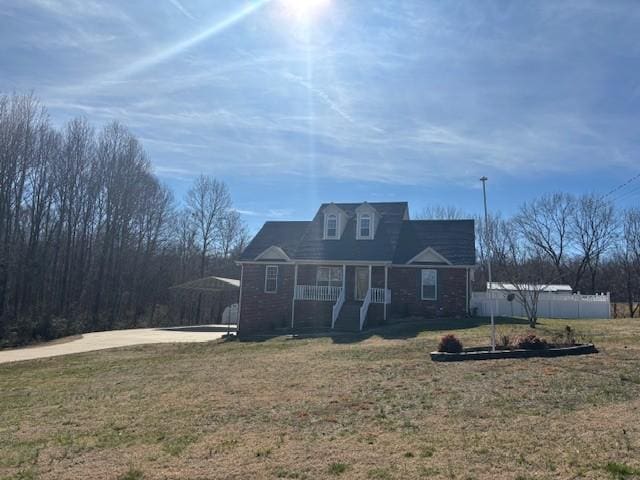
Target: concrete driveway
x,y
115,338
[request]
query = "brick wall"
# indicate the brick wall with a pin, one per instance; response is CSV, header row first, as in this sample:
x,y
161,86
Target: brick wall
x,y
405,293
260,311
313,315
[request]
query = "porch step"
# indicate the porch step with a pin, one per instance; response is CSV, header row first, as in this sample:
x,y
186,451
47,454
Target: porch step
x,y
349,318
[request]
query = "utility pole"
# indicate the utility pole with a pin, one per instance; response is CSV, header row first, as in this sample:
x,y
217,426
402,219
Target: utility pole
x,y
490,289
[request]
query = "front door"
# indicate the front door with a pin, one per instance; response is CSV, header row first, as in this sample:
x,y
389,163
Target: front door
x,y
362,283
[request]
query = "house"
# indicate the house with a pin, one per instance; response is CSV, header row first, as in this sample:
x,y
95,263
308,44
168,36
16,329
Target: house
x,y
354,266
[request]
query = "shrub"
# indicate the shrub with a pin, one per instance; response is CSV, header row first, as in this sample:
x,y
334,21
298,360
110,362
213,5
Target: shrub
x,y
504,341
337,468
569,336
450,344
531,342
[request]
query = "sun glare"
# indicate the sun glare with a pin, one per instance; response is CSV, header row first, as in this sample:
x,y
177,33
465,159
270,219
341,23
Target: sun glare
x,y
304,11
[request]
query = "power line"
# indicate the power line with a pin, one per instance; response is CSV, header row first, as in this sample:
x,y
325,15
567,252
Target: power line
x,y
627,194
621,186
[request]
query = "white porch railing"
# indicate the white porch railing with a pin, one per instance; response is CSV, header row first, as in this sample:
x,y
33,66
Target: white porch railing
x,y
380,295
364,308
317,293
336,308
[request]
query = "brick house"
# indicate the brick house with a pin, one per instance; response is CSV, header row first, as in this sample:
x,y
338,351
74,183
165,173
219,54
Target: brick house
x,y
354,266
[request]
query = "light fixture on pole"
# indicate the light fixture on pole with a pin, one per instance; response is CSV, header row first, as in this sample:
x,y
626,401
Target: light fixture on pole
x,y
488,250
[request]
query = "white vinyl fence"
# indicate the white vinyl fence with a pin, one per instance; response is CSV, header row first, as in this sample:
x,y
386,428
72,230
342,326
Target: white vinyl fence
x,y
550,305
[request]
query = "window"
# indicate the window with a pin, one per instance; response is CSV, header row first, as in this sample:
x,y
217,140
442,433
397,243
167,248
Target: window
x,y
429,284
365,226
329,277
271,279
331,226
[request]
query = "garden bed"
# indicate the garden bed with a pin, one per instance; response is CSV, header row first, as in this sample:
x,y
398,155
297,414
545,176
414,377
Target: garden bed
x,y
485,353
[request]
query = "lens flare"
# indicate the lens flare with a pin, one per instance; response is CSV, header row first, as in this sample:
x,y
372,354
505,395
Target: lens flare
x,y
303,11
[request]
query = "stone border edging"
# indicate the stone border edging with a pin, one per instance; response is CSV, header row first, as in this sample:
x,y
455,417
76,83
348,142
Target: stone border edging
x,y
483,353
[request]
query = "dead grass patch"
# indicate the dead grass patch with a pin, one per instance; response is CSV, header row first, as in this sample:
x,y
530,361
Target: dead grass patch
x,y
371,409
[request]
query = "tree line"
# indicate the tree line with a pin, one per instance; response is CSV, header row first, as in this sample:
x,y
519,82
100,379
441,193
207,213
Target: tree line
x,y
583,241
89,237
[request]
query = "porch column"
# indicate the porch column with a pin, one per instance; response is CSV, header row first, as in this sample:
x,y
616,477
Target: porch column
x,y
369,277
386,270
293,298
344,280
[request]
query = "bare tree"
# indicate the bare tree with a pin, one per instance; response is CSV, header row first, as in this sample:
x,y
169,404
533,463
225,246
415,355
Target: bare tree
x,y
545,224
441,212
89,238
208,203
594,232
524,266
232,231
628,258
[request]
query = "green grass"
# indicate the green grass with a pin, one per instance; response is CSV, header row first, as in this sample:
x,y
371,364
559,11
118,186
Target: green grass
x,y
621,471
362,407
337,468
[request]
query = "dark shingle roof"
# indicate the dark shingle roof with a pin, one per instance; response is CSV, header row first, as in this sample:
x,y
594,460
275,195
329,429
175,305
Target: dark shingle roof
x,y
453,239
285,235
396,239
381,248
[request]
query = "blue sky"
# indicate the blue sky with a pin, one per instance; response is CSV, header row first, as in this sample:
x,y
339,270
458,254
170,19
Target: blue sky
x,y
352,100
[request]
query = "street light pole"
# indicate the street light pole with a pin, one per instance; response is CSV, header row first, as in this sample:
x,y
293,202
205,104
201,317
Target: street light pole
x,y
490,289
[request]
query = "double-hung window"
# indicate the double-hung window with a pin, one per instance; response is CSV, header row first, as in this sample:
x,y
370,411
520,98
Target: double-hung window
x,y
429,284
329,277
331,226
365,226
271,279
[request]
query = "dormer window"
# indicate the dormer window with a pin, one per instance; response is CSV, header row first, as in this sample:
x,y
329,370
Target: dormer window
x,y
331,226
367,222
365,226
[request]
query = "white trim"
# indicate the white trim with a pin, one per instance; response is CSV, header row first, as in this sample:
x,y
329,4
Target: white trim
x,y
329,268
266,271
325,235
429,252
375,263
265,262
371,219
386,274
278,254
402,265
342,262
435,297
293,299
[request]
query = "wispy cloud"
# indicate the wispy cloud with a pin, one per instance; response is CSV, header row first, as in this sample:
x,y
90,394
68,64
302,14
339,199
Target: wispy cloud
x,y
396,95
182,9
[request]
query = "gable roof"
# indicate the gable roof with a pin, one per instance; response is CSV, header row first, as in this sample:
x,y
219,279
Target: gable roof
x,y
397,240
285,235
453,239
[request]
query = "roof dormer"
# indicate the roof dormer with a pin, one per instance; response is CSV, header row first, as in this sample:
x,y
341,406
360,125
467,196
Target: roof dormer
x,y
367,220
335,219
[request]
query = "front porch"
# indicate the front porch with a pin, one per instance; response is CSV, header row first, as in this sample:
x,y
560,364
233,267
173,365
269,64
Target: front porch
x,y
347,296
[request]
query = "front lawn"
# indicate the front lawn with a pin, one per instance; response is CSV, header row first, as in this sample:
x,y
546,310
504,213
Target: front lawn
x,y
372,407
